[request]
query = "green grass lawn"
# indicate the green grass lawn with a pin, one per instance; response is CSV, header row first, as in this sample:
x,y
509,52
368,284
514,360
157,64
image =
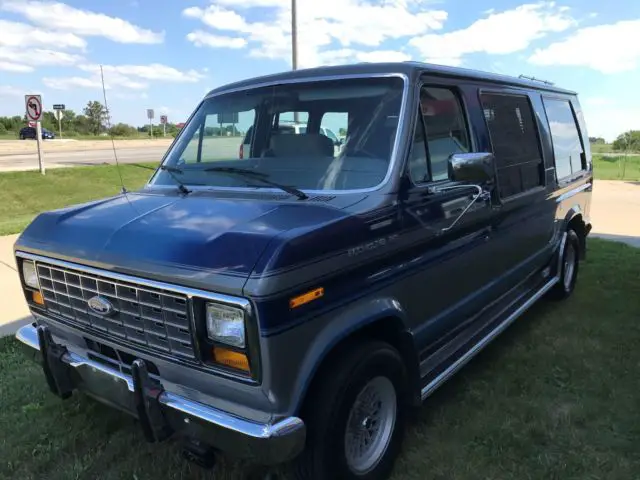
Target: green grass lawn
x,y
25,194
617,168
555,397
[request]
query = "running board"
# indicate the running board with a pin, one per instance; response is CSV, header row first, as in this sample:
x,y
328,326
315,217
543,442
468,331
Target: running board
x,y
433,385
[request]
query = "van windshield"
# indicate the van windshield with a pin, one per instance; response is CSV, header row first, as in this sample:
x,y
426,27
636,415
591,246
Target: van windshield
x,y
282,133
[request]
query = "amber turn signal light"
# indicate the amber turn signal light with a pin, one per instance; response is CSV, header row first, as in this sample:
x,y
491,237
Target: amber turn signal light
x,y
230,358
37,297
310,296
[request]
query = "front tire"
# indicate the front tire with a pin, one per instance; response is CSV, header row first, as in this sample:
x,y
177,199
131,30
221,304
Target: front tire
x,y
570,264
356,416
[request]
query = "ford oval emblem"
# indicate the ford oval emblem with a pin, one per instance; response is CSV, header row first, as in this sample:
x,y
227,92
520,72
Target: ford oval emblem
x,y
100,305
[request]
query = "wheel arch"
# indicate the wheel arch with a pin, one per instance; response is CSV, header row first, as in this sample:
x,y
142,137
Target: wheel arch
x,y
388,325
575,220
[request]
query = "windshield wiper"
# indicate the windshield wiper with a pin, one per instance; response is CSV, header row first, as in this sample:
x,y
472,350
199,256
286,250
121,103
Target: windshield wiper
x,y
261,177
172,172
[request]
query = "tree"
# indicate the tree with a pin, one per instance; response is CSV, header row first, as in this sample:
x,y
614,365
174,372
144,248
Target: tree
x,y
96,115
628,141
597,140
123,130
49,121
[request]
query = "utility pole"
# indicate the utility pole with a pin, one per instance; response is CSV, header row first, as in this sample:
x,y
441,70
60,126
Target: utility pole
x,y
294,43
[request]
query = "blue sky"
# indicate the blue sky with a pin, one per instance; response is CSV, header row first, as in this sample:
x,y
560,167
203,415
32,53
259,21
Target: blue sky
x,y
166,55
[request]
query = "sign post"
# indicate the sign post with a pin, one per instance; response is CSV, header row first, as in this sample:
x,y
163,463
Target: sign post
x,y
150,117
59,108
163,121
33,108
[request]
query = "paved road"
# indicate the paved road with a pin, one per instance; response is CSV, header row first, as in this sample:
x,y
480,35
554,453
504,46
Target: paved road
x,y
213,148
89,157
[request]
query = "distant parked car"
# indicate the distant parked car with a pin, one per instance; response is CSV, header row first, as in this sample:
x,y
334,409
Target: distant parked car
x,y
30,132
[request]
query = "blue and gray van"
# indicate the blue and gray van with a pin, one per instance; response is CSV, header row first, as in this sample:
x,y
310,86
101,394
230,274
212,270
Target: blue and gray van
x,y
294,304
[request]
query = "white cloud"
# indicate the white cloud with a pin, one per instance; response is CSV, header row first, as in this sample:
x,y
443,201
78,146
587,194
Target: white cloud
x,y
130,77
327,30
153,71
67,83
10,91
15,34
217,17
15,67
344,55
36,57
383,56
62,17
205,39
609,48
503,32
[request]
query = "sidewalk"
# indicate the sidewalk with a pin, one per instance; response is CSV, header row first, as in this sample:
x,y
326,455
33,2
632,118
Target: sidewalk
x,y
615,211
13,307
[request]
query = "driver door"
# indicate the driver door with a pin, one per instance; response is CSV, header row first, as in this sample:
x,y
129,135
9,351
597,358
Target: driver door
x,y
456,252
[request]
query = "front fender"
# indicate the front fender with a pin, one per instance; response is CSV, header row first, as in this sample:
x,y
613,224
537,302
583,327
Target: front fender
x,y
337,329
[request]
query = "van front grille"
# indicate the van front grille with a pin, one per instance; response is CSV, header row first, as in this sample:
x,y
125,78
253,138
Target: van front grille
x,y
156,318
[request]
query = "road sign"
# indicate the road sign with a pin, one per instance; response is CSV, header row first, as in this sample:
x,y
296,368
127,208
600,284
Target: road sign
x,y
58,114
163,119
150,113
33,107
58,106
229,117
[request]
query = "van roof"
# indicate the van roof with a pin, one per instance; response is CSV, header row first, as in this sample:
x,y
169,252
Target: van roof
x,y
411,69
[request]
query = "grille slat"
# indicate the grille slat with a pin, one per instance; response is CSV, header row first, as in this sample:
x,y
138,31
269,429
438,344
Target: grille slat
x,y
158,318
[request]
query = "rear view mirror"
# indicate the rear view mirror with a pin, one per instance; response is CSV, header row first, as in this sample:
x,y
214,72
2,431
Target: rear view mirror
x,y
476,168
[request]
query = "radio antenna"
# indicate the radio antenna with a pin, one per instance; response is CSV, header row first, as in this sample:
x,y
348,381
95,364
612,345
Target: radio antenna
x,y
113,143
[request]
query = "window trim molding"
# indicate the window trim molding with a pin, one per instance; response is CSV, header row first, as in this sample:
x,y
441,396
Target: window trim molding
x,y
518,93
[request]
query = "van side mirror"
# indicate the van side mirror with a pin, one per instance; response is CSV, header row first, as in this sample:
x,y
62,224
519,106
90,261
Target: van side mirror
x,y
476,168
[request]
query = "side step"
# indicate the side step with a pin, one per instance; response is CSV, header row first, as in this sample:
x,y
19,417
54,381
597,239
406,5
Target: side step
x,y
442,377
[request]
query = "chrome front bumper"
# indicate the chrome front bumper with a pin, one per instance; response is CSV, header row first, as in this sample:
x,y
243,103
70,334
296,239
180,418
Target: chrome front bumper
x,y
162,413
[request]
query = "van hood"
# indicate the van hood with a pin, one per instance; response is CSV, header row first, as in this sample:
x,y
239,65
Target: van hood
x,y
175,237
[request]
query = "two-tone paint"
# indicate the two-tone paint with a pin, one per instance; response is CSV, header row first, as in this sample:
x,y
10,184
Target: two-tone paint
x,y
387,263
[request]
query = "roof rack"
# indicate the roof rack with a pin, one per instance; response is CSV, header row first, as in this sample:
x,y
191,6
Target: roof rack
x,y
534,79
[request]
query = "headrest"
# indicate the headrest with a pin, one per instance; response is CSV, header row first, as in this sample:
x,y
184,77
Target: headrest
x,y
292,145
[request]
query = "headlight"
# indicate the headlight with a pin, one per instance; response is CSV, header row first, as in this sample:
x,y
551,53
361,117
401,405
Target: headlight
x,y
225,324
29,274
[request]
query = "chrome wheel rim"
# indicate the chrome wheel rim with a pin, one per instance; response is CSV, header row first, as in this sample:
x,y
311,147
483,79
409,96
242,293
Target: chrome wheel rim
x,y
370,425
569,266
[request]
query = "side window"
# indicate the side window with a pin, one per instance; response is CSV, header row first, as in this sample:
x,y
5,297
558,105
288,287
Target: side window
x,y
334,124
222,134
288,123
567,147
515,142
444,127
